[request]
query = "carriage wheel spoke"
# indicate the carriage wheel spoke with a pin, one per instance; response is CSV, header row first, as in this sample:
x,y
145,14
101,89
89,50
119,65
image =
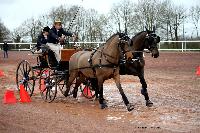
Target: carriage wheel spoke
x,y
26,86
23,68
49,94
30,83
29,88
26,67
46,93
19,76
21,71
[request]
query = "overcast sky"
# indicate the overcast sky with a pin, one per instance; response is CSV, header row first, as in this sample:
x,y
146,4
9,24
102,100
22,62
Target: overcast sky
x,y
14,12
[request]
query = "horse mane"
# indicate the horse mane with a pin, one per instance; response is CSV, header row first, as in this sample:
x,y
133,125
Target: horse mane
x,y
111,37
138,34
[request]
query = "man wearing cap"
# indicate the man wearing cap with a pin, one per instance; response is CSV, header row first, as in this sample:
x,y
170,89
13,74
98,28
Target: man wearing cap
x,y
42,40
56,38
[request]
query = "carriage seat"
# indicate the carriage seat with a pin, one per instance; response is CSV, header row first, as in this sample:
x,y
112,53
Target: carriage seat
x,y
67,53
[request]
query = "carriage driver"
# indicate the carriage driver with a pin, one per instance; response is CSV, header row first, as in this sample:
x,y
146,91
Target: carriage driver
x,y
56,38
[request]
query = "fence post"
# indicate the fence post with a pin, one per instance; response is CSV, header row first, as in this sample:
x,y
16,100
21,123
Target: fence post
x,y
182,46
30,46
159,45
185,46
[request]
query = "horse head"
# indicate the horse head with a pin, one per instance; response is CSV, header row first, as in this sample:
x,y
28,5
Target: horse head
x,y
125,47
151,41
146,40
119,41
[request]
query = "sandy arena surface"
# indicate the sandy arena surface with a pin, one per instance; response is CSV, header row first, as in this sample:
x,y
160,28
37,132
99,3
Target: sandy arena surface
x,y
173,87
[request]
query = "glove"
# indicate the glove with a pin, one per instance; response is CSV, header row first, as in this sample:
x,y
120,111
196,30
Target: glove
x,y
61,40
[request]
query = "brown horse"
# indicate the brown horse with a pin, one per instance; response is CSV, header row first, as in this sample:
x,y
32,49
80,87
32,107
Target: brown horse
x,y
143,40
102,65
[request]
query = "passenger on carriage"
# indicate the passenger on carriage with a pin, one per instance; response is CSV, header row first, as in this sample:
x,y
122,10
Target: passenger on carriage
x,y
56,38
42,40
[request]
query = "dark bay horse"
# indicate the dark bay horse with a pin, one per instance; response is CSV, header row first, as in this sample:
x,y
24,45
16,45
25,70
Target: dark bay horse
x,y
143,40
101,64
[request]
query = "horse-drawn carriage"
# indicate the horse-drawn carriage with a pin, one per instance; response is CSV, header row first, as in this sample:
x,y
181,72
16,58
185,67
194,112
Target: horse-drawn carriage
x,y
119,52
48,75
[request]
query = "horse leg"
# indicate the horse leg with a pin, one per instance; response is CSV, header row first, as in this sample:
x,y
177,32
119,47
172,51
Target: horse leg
x,y
130,107
101,99
72,77
94,84
78,83
144,91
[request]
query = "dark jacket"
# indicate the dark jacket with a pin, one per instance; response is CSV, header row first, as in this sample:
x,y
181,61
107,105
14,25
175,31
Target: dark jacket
x,y
41,40
54,35
5,46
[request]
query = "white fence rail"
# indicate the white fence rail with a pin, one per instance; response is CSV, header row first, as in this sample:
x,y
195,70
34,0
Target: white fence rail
x,y
163,45
183,45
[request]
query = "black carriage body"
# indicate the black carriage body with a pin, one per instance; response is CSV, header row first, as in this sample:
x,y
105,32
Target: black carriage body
x,y
50,75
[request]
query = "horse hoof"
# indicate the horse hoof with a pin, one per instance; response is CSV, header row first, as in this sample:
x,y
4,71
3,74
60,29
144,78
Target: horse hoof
x,y
75,95
130,107
104,102
103,106
149,103
65,94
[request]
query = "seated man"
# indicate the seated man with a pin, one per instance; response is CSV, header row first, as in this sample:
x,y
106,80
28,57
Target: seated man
x,y
42,40
55,39
41,47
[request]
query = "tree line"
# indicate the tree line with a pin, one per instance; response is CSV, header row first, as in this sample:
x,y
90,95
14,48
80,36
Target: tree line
x,y
125,16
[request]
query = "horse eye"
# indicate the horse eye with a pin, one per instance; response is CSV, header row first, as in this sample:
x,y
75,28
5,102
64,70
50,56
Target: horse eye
x,y
151,39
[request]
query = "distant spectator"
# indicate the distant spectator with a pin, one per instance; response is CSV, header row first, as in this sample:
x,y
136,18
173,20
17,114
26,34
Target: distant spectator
x,y
5,49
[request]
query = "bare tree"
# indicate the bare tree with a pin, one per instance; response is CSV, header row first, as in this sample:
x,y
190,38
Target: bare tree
x,y
195,15
121,15
29,28
62,13
176,18
58,13
17,35
91,25
33,28
4,32
169,19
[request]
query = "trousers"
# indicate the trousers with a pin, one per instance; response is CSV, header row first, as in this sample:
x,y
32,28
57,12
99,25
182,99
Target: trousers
x,y
56,48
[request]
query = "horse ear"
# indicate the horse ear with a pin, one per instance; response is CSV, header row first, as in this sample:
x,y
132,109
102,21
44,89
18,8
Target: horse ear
x,y
148,31
154,29
146,28
158,39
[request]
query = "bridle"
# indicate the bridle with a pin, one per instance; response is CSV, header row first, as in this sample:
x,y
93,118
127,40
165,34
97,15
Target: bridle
x,y
151,39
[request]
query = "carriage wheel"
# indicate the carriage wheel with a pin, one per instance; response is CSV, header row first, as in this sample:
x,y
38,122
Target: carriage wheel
x,y
87,90
48,85
25,76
